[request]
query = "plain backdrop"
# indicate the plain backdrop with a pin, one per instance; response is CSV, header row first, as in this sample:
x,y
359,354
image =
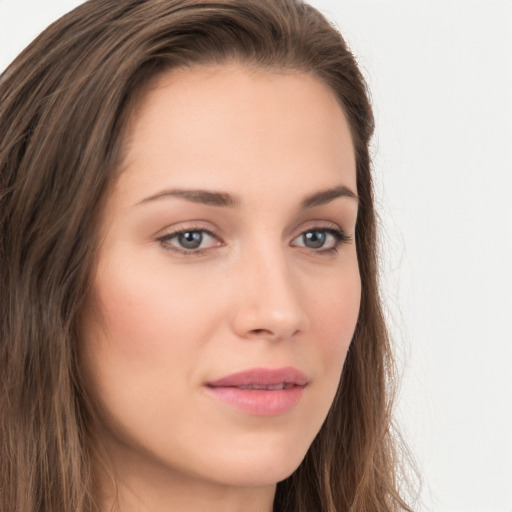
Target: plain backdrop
x,y
440,74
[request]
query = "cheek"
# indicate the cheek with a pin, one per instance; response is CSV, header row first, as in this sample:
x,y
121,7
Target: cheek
x,y
132,314
334,322
336,310
140,340
147,313
140,345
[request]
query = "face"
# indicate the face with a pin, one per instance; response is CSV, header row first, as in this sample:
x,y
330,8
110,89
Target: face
x,y
227,286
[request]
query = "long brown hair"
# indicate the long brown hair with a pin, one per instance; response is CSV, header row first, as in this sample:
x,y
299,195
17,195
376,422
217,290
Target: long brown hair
x,y
64,105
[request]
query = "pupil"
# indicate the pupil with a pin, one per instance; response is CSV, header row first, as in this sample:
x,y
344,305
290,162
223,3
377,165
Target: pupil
x,y
314,239
190,239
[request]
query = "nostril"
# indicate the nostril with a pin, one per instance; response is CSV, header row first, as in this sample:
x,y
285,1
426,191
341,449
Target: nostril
x,y
260,331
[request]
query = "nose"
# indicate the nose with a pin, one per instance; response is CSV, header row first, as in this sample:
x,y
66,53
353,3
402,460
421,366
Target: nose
x,y
268,300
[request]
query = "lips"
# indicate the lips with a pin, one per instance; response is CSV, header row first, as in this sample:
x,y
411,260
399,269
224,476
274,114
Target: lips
x,y
261,391
283,385
262,377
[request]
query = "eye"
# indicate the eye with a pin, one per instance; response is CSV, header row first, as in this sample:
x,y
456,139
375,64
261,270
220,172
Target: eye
x,y
189,240
321,239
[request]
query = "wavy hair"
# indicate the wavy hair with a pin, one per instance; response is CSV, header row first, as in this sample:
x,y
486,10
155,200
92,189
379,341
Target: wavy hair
x,y
64,105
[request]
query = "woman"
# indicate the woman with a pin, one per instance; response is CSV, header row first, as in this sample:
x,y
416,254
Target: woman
x,y
191,318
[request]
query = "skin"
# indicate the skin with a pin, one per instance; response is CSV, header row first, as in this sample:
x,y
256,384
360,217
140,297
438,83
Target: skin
x,y
164,320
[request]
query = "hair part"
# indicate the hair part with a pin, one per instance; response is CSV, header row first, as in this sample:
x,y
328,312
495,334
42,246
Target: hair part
x,y
65,103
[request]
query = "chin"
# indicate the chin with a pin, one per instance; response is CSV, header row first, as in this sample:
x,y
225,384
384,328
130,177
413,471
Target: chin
x,y
256,475
259,466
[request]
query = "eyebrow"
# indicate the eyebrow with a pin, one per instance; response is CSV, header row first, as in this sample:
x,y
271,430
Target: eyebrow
x,y
326,196
223,199
207,197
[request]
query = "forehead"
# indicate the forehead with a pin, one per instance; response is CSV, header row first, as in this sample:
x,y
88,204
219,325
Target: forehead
x,y
230,125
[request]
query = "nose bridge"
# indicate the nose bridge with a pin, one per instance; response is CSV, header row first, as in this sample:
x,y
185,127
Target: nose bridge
x,y
269,302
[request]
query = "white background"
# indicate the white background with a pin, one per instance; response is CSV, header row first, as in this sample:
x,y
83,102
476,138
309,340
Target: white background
x,y
441,80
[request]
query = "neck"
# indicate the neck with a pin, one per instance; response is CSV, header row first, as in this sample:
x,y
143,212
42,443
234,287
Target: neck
x,y
134,486
189,499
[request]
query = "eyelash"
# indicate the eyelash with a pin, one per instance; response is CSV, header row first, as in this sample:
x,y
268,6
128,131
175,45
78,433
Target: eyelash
x,y
340,238
164,240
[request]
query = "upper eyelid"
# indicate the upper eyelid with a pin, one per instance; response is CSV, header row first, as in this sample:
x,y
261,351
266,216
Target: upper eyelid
x,y
164,241
329,229
335,230
320,225
312,225
187,226
177,232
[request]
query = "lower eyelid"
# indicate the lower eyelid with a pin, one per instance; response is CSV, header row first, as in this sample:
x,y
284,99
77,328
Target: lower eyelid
x,y
340,237
165,240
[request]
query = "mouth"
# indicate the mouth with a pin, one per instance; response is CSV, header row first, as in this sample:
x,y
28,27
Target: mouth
x,y
283,385
261,391
261,378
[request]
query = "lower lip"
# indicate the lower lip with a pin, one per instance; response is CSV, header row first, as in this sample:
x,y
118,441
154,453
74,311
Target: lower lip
x,y
260,402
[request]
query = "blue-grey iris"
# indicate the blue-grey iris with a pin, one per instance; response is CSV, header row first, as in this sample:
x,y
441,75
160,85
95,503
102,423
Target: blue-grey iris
x,y
314,239
190,239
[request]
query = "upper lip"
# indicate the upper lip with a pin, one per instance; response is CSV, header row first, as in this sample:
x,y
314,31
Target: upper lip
x,y
262,377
